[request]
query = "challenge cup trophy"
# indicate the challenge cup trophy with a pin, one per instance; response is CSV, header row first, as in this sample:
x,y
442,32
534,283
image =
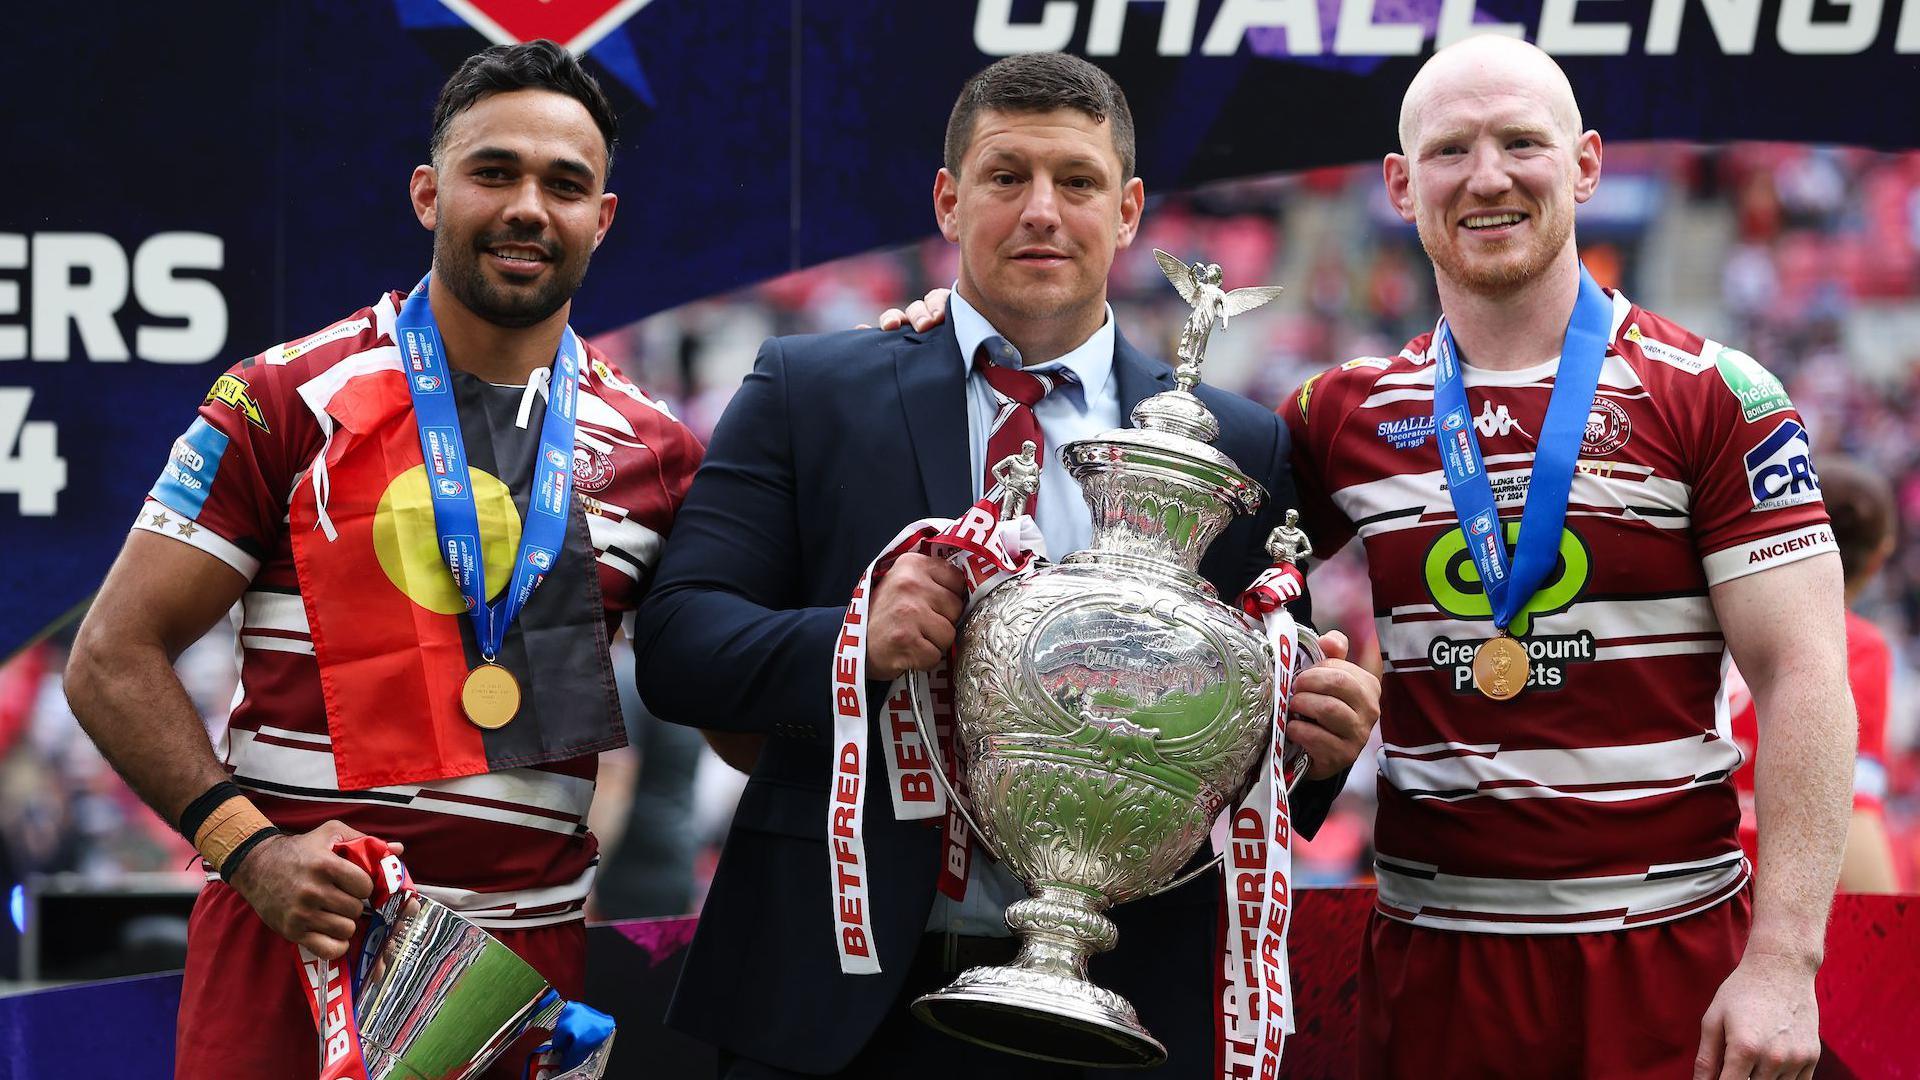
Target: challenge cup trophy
x,y
1107,708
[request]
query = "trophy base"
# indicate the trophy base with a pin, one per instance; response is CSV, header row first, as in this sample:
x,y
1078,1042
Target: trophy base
x,y
1042,1015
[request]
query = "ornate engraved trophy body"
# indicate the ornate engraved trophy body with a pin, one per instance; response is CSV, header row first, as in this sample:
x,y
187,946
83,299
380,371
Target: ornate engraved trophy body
x,y
1107,708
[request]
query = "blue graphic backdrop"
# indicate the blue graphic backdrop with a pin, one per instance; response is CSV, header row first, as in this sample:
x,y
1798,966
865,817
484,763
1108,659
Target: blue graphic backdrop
x,y
758,138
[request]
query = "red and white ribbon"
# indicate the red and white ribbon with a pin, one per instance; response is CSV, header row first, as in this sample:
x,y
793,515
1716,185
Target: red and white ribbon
x,y
330,982
1256,1000
987,551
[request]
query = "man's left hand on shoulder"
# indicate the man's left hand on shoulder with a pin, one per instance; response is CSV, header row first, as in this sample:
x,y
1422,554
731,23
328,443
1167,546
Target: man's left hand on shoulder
x,y
1764,1023
1335,704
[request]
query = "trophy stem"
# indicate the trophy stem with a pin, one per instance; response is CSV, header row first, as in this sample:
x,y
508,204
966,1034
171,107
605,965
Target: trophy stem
x,y
1060,930
1042,1005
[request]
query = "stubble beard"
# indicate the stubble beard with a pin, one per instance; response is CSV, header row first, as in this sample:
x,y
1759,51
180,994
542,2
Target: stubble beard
x,y
1501,277
458,264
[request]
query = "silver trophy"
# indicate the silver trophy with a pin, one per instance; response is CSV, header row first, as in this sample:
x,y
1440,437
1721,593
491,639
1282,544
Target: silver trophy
x,y
442,999
1107,709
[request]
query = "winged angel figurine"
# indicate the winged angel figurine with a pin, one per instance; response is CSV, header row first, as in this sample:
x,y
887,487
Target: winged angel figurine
x,y
1199,285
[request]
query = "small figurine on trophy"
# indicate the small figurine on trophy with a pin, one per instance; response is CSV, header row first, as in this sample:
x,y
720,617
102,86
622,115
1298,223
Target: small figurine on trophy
x,y
1017,477
1199,285
1288,543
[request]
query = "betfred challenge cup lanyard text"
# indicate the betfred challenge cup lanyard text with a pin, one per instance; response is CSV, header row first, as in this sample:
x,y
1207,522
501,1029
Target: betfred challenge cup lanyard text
x,y
456,519
1582,351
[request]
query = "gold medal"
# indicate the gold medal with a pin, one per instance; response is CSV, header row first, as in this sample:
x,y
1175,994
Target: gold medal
x,y
1500,668
490,696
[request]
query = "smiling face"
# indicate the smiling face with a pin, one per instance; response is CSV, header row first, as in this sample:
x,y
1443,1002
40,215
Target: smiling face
x,y
1039,207
1494,164
517,204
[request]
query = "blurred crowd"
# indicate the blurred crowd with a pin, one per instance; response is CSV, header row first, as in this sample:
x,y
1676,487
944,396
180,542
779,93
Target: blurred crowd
x,y
1806,257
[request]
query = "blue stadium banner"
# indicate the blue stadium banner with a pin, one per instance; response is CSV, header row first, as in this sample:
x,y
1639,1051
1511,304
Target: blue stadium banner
x,y
190,185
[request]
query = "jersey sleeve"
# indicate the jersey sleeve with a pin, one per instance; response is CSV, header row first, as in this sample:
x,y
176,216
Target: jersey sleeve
x,y
1756,496
223,488
1313,416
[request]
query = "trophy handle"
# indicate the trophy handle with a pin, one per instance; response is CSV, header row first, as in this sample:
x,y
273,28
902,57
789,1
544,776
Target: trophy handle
x,y
916,683
1293,770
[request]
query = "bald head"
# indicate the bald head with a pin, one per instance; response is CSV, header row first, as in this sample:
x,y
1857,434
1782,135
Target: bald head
x,y
1483,66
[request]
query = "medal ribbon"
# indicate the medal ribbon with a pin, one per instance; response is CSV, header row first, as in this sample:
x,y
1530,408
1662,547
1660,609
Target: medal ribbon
x,y
987,551
1256,999
455,517
1582,352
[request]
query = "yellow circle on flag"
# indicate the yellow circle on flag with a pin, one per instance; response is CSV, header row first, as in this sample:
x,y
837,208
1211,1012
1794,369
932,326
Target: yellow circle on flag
x,y
408,546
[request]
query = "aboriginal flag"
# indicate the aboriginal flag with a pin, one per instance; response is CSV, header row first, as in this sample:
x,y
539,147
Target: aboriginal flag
x,y
390,631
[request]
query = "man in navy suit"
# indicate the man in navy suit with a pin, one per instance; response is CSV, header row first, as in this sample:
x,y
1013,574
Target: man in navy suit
x,y
833,444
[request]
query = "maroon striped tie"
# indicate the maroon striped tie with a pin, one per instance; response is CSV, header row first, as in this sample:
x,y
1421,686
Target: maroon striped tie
x,y
1017,392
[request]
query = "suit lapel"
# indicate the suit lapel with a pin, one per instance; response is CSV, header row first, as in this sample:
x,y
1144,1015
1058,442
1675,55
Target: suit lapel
x,y
1140,377
933,394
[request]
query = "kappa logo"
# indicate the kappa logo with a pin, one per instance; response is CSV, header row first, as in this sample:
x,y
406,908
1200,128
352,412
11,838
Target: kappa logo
x,y
231,390
1780,469
1494,422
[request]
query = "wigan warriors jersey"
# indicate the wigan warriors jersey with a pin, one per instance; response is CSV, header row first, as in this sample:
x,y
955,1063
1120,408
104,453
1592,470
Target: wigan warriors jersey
x,y
507,845
1600,797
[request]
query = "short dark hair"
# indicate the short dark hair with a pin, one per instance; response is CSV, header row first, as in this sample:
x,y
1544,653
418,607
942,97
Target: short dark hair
x,y
1860,505
1041,82
534,65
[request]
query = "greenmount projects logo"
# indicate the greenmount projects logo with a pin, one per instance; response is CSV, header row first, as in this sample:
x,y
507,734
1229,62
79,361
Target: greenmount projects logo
x,y
1454,582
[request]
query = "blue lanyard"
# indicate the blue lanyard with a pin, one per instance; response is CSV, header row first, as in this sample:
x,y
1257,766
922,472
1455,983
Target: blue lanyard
x,y
455,518
1582,352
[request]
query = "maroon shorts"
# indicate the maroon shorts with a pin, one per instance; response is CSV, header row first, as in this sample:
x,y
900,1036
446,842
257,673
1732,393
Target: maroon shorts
x,y
1616,1003
243,1007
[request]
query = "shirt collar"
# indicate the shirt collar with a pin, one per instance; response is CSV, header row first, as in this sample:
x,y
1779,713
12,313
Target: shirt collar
x,y
1091,361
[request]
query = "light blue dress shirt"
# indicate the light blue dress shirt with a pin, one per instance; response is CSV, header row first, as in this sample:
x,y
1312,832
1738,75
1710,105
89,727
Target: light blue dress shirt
x,y
1072,411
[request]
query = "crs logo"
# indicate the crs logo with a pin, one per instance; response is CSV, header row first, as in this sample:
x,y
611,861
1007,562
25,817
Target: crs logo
x,y
427,384
448,486
1454,581
1780,469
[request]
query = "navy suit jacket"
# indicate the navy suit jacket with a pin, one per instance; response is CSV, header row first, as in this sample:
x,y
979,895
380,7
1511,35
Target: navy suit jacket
x,y
833,444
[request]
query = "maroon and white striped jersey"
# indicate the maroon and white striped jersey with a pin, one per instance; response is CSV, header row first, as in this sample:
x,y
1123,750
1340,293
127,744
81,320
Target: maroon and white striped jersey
x,y
1600,797
507,848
